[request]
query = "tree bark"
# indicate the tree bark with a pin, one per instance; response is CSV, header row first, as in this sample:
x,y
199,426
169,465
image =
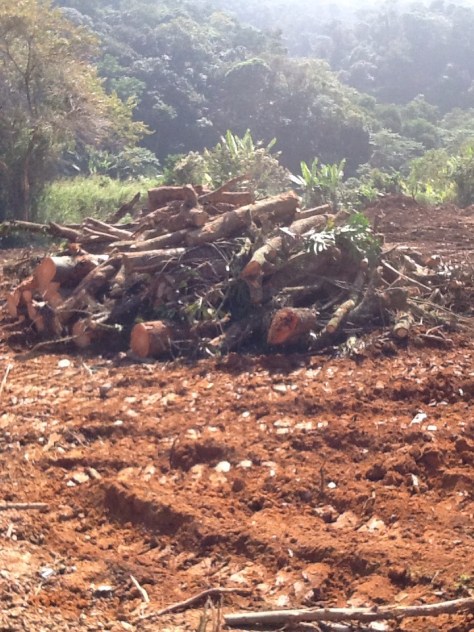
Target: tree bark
x,y
150,260
186,218
270,211
224,226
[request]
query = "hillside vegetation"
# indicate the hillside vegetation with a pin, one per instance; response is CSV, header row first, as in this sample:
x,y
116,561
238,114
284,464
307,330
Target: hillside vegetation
x,y
383,95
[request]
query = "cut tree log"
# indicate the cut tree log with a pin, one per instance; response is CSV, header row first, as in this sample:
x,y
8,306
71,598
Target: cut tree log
x,y
235,198
19,298
311,212
271,211
161,196
223,226
91,285
89,233
150,260
402,326
88,331
152,339
67,270
275,210
186,218
291,324
170,240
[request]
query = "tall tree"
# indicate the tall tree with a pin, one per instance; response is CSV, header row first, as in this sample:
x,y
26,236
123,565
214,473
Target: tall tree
x,y
50,96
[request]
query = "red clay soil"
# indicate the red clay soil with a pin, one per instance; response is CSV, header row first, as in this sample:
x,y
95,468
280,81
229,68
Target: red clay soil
x,y
301,481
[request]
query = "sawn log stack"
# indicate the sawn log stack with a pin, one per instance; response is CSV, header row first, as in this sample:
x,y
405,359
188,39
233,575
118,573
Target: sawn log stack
x,y
205,272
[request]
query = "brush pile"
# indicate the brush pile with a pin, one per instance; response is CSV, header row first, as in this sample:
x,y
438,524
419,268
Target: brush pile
x,y
206,272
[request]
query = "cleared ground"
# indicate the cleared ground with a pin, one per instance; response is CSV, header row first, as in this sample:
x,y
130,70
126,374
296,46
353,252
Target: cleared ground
x,y
299,480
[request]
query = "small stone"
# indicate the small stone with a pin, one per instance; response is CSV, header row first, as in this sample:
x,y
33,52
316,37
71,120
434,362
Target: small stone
x,y
419,418
46,572
245,465
80,477
223,467
104,590
104,390
238,485
93,473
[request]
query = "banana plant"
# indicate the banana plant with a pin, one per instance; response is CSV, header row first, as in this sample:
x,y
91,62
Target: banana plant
x,y
320,183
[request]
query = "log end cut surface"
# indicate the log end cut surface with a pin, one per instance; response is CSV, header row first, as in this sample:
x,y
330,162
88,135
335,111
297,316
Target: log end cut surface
x,y
151,339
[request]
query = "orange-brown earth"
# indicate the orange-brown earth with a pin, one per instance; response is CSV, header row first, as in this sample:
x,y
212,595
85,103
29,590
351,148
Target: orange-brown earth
x,y
303,480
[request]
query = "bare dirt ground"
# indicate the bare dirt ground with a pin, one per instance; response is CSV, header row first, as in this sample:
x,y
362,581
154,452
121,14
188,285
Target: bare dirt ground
x,y
299,480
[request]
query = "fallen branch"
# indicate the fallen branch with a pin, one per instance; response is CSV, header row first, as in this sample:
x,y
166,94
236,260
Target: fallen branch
x,y
191,601
24,506
362,615
400,275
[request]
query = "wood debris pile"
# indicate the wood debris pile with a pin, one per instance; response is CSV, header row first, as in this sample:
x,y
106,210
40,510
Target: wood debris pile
x,y
206,272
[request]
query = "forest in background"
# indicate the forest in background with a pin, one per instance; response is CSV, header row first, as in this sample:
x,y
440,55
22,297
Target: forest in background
x,y
343,103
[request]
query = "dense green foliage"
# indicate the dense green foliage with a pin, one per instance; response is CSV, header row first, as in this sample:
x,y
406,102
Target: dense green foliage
x,y
51,97
380,95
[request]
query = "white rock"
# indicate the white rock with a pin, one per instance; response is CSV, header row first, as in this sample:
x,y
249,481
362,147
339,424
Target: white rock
x,y
223,466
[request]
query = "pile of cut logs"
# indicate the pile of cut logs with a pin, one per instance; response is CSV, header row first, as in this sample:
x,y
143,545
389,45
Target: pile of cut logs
x,y
205,272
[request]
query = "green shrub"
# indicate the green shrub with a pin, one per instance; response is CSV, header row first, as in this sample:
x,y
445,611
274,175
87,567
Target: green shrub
x,y
232,156
320,183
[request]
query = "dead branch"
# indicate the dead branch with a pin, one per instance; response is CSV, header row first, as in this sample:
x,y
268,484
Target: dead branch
x,y
192,601
362,615
124,209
